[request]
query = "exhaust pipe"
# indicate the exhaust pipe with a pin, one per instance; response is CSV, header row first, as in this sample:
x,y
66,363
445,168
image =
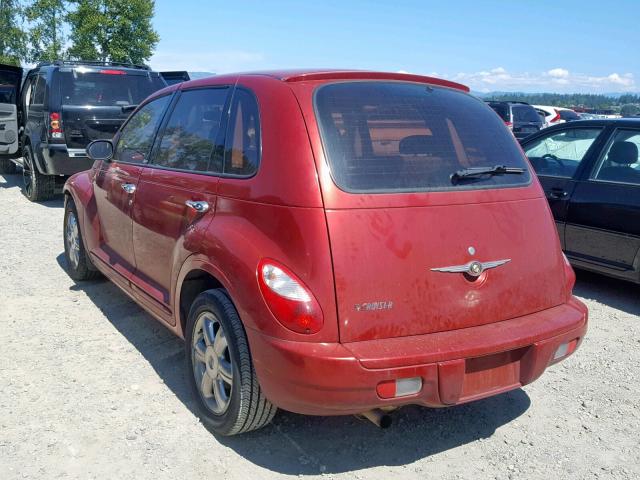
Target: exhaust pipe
x,y
378,417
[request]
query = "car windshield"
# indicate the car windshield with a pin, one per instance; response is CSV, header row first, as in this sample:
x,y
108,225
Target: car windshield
x,y
407,137
107,89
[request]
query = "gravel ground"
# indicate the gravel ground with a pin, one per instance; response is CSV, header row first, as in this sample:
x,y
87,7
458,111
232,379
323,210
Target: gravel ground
x,y
92,387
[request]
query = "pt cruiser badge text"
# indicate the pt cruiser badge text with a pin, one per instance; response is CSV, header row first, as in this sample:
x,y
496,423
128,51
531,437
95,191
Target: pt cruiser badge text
x,y
365,307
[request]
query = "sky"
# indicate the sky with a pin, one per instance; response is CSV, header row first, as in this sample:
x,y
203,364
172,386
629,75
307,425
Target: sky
x,y
562,46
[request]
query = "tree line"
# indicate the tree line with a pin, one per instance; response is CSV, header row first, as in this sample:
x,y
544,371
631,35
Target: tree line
x,y
586,100
46,30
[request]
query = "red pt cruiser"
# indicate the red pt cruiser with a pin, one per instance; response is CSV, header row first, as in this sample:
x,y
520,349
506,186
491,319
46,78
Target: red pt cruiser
x,y
329,242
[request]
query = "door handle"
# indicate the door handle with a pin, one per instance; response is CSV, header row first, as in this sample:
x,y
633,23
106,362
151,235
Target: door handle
x,y
128,187
198,206
557,193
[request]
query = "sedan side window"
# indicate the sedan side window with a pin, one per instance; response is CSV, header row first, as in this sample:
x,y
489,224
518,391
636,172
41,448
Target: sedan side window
x,y
560,153
137,135
620,161
193,138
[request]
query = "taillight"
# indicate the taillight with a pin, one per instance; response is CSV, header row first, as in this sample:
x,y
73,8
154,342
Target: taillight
x,y
55,125
509,125
556,118
289,300
113,72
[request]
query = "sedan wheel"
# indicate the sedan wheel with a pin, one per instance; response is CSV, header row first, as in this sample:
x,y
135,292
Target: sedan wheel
x,y
72,237
212,367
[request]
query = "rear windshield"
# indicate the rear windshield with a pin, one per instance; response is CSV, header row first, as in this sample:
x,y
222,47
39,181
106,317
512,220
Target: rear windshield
x,y
569,115
9,82
525,113
102,89
404,137
501,109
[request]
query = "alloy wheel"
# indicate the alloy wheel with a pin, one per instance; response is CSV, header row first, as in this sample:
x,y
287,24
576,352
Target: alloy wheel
x,y
211,360
72,237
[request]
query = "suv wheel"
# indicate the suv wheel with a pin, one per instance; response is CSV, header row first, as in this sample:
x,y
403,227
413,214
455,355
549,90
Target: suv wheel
x,y
78,262
220,369
7,166
37,187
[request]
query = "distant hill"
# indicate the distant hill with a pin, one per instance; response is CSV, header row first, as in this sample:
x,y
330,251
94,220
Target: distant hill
x,y
586,100
197,75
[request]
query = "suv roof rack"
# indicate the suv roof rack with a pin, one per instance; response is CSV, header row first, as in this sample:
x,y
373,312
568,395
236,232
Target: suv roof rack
x,y
95,63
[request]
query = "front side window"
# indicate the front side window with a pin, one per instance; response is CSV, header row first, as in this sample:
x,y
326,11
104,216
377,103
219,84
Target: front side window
x,y
136,139
559,154
242,154
620,162
407,137
194,135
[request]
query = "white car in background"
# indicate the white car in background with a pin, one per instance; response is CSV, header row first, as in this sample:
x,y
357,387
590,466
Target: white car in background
x,y
555,115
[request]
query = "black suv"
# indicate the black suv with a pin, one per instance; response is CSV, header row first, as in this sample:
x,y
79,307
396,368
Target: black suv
x,y
520,117
47,121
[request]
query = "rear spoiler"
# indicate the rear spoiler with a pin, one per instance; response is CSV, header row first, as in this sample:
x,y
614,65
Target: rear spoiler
x,y
175,77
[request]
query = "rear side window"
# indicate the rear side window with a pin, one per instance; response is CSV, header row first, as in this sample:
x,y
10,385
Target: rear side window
x,y
39,90
525,113
107,89
404,137
193,138
242,154
138,133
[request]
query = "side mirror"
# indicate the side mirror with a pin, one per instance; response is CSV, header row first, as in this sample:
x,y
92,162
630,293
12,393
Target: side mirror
x,y
100,150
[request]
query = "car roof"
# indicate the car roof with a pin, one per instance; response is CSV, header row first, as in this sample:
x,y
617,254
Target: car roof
x,y
327,75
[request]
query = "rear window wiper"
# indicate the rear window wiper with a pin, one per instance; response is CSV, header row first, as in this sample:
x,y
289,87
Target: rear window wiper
x,y
479,171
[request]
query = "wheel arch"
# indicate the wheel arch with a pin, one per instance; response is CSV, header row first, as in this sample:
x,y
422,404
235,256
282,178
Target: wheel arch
x,y
196,276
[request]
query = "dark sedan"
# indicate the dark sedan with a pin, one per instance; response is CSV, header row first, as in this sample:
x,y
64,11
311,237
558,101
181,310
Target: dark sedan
x,y
591,175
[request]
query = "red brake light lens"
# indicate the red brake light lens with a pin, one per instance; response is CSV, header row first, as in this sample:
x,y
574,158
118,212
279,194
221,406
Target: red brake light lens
x,y
556,118
55,125
113,72
509,124
289,300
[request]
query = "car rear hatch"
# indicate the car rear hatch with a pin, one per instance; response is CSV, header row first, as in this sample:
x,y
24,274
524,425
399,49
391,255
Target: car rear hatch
x,y
405,236
95,102
526,120
10,82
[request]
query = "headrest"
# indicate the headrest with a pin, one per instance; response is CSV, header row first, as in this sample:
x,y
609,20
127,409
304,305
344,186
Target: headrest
x,y
623,153
415,145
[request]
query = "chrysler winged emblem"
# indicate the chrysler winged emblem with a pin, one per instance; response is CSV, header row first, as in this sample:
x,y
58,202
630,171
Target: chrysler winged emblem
x,y
473,268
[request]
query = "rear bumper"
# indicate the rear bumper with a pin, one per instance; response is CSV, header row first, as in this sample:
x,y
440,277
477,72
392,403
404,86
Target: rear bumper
x,y
455,367
59,160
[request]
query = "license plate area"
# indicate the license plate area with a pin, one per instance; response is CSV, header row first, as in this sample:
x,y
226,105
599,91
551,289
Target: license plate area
x,y
492,373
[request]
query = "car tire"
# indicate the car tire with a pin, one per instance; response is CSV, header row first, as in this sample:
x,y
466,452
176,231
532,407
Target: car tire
x,y
226,408
7,166
37,187
79,264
